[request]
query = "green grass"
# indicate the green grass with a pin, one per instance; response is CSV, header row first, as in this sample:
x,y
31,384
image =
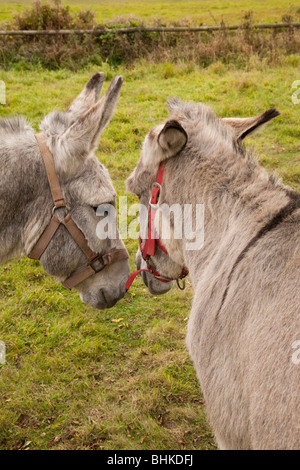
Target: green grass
x,y
75,378
201,11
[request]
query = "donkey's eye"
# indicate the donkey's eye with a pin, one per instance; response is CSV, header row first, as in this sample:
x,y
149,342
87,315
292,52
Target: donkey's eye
x,y
103,208
95,208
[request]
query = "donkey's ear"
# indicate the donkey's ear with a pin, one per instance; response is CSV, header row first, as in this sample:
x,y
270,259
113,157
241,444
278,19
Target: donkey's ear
x,y
246,126
109,102
82,137
89,95
172,139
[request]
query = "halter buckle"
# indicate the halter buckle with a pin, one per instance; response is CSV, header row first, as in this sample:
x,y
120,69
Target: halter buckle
x,y
97,259
155,185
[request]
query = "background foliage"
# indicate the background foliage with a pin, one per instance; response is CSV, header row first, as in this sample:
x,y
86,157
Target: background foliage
x,y
76,51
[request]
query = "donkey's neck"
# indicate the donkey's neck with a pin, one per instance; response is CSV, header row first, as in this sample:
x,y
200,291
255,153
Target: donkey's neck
x,y
239,199
24,195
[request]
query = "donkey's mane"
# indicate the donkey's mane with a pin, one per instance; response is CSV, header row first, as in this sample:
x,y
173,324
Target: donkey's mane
x,y
14,125
56,122
53,123
206,126
217,139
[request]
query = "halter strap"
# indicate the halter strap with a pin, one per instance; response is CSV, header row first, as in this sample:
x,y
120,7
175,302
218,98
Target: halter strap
x,y
147,270
55,187
149,246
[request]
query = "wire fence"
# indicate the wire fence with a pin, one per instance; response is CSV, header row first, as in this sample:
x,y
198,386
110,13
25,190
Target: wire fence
x,y
177,29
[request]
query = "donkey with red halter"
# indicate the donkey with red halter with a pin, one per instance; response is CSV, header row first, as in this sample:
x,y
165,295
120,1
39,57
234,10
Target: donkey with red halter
x,y
51,186
245,318
153,241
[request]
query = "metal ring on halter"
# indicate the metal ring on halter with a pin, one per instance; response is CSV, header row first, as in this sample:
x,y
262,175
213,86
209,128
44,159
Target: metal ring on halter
x,y
181,287
153,206
55,208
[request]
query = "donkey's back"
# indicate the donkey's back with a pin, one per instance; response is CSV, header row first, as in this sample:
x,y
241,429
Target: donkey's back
x,y
247,350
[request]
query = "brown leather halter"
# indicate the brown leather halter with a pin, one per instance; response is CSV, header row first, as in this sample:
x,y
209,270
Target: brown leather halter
x,y
96,261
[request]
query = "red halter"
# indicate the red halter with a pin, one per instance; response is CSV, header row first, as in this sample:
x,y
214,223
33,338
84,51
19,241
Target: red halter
x,y
152,241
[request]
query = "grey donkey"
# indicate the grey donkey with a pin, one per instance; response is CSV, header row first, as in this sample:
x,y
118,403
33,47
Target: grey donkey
x,y
25,197
244,324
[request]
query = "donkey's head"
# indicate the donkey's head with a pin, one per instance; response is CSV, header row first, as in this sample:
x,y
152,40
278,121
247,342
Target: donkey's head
x,y
193,131
72,137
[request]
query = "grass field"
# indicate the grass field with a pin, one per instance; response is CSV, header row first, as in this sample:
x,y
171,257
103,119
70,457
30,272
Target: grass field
x,y
201,11
76,378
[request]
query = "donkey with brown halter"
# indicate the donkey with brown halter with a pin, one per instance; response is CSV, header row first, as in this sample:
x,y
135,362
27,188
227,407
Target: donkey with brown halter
x,y
245,318
51,186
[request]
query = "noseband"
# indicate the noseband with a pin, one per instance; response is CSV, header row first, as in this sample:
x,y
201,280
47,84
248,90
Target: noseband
x,y
96,261
153,241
